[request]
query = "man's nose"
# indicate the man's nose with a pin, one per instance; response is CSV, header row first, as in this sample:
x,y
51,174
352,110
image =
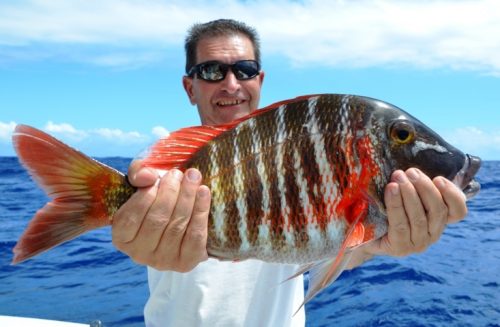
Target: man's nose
x,y
230,84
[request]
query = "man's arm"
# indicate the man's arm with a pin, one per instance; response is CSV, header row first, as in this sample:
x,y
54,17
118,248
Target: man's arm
x,y
418,210
164,224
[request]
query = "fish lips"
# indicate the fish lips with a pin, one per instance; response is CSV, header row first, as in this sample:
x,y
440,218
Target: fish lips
x,y
465,177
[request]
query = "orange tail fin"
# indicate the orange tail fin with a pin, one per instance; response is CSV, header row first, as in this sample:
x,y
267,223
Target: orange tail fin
x,y
85,193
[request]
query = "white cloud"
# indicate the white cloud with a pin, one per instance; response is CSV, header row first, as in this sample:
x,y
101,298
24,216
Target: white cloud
x,y
98,135
6,130
117,135
425,34
129,60
475,141
101,141
88,21
66,130
160,131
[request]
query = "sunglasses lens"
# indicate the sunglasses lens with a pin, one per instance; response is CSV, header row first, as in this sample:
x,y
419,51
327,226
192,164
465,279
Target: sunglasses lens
x,y
245,69
212,71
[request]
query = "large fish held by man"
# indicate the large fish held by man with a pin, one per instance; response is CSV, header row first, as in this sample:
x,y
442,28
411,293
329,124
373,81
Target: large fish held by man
x,y
298,182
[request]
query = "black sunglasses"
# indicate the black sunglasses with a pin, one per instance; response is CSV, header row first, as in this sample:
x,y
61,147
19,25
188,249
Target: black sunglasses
x,y
215,71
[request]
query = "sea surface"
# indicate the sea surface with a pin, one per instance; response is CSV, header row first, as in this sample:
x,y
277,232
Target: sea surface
x,y
455,283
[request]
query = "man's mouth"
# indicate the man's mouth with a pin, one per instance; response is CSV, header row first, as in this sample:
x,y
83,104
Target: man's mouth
x,y
228,103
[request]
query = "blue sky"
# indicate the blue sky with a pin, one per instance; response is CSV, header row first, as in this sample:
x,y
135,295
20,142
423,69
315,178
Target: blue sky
x,y
105,76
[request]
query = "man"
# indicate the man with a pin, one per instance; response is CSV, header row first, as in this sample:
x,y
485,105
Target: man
x,y
164,224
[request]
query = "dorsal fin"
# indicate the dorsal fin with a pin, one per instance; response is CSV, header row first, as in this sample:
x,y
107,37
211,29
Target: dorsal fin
x,y
175,149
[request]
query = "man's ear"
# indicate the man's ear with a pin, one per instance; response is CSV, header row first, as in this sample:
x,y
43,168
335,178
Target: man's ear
x,y
261,77
187,82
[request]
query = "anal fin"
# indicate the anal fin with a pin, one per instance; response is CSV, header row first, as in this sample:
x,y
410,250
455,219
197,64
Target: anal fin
x,y
325,272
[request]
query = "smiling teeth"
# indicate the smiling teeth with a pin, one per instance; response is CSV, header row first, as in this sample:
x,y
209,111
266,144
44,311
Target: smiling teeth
x,y
229,102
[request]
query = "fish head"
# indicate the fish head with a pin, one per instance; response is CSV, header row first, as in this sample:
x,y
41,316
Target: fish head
x,y
407,142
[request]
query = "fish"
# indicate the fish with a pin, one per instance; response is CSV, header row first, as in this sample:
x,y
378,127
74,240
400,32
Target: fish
x,y
298,182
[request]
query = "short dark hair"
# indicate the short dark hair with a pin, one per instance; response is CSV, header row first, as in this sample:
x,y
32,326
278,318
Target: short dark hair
x,y
219,27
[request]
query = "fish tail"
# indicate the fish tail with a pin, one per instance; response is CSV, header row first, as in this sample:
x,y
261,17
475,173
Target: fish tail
x,y
84,192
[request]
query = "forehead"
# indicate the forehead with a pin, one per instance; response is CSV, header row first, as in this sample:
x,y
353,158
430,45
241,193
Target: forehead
x,y
227,48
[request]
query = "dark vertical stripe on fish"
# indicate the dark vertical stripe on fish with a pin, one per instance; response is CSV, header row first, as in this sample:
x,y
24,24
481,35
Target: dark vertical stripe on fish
x,y
275,171
293,166
227,186
336,143
268,176
310,163
207,161
254,197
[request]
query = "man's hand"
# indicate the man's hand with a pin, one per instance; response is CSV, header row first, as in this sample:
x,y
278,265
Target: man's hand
x,y
164,224
418,210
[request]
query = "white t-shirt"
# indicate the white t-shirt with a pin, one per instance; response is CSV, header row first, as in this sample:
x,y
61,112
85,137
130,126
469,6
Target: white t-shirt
x,y
248,293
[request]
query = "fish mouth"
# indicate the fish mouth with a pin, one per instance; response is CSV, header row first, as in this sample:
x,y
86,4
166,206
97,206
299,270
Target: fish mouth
x,y
465,177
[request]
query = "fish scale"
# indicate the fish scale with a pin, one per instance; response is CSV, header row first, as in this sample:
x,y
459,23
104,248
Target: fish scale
x,y
290,229
282,229
301,181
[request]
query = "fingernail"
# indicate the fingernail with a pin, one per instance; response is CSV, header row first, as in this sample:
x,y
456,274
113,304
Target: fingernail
x,y
176,173
413,174
203,192
395,190
400,177
150,170
144,171
440,183
193,175
133,177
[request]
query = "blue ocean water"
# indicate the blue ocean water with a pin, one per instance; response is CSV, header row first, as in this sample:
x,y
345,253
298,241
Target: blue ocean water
x,y
455,283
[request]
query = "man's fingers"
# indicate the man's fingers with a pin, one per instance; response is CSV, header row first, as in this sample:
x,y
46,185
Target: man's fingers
x,y
398,235
159,213
164,223
128,219
171,240
454,199
428,217
414,211
140,176
194,244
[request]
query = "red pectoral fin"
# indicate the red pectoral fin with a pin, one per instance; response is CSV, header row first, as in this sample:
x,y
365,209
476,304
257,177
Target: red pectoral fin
x,y
326,272
323,273
356,237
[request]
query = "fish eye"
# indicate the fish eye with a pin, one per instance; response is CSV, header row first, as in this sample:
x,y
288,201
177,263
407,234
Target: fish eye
x,y
401,132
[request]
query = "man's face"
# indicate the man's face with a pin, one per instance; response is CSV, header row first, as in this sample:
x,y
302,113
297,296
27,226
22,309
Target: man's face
x,y
224,101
